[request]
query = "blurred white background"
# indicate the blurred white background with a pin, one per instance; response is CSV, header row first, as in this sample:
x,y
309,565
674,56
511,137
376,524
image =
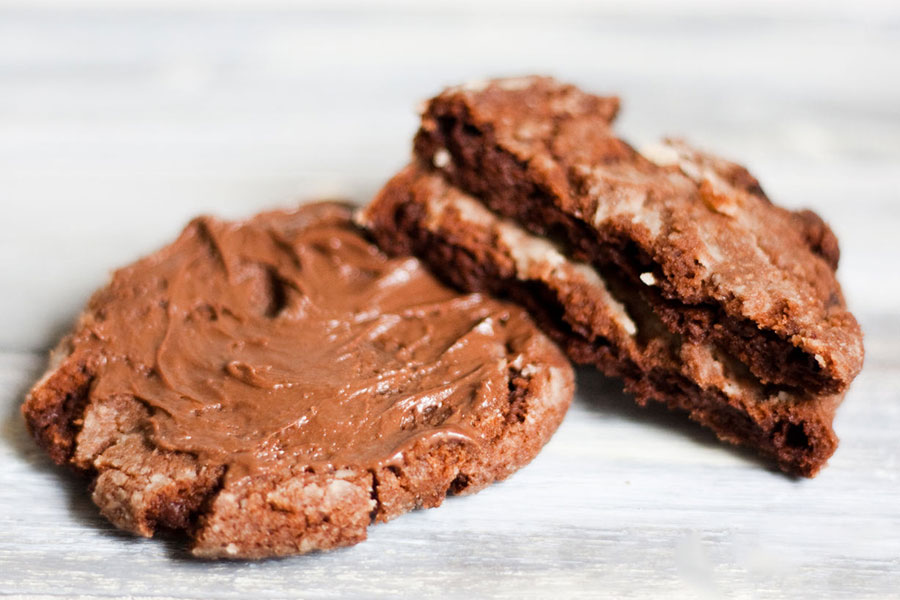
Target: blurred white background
x,y
119,120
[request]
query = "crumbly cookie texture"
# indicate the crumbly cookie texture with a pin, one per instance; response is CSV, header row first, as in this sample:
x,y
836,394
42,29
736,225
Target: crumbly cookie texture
x,y
599,319
274,386
724,264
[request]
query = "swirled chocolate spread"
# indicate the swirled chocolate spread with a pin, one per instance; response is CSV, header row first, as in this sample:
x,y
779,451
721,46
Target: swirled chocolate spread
x,y
285,345
254,341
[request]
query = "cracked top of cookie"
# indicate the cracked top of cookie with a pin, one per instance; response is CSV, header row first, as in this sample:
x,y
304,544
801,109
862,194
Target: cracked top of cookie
x,y
289,338
716,258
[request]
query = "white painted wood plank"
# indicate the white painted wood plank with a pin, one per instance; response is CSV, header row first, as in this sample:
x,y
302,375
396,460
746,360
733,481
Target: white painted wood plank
x,y
623,500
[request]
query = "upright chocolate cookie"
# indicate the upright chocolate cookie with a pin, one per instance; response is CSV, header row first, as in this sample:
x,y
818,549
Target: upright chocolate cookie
x,y
273,386
726,265
682,279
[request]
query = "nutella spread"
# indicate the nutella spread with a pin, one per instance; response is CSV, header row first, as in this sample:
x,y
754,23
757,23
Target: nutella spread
x,y
290,338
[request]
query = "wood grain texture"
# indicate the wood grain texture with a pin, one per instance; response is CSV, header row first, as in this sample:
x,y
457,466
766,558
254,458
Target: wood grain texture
x,y
117,125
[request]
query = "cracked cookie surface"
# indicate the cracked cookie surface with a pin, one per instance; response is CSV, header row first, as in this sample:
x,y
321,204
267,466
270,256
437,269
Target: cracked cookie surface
x,y
726,264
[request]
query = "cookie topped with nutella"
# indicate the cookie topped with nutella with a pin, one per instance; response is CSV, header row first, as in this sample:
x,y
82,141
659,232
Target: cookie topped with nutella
x,y
272,386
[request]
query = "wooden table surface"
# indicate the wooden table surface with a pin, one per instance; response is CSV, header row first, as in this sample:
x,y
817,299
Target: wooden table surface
x,y
118,123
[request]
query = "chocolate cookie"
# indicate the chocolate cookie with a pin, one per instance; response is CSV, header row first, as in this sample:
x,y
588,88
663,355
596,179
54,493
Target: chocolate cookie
x,y
681,278
725,264
273,386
